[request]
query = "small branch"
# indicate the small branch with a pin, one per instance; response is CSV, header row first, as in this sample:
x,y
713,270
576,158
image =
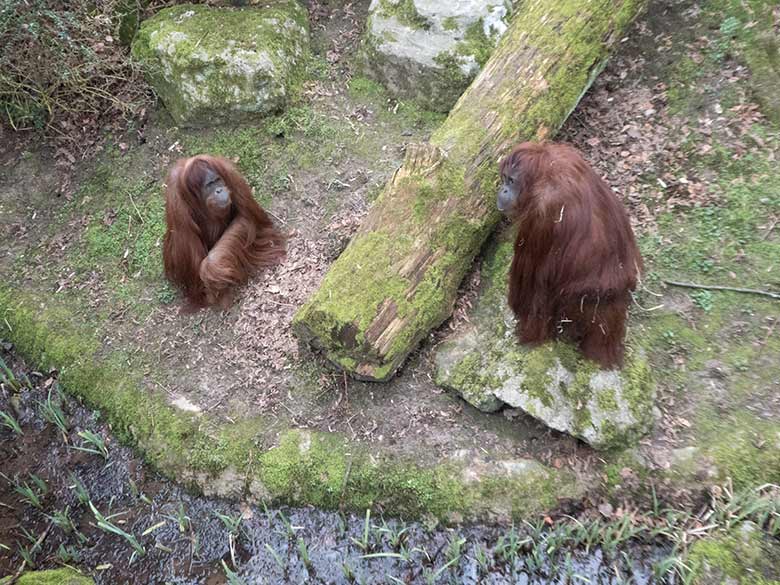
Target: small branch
x,y
141,217
769,230
752,291
37,545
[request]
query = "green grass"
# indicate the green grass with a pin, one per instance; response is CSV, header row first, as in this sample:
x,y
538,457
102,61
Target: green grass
x,y
741,29
121,205
406,113
125,209
300,139
748,558
134,234
711,243
725,242
747,28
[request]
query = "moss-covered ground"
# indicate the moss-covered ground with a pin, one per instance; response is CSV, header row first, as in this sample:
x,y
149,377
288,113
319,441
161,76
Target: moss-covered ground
x,y
82,293
740,556
52,577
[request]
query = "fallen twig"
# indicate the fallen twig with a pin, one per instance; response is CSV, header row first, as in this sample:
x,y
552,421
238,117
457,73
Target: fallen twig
x,y
35,546
752,291
769,230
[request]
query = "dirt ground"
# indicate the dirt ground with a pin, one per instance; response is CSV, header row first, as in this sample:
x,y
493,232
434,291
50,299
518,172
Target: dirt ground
x,y
671,124
634,126
246,361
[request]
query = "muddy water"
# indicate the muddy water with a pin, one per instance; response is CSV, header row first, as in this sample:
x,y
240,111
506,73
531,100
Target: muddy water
x,y
185,541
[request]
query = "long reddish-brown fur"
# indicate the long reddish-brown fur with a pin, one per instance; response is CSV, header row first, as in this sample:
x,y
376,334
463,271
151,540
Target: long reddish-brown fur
x,y
575,259
208,250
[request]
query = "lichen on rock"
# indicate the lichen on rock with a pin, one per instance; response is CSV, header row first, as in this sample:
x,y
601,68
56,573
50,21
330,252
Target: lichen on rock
x,y
429,50
210,65
553,383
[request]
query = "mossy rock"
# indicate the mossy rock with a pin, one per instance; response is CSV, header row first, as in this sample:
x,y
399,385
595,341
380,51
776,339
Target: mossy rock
x,y
211,65
553,383
428,50
54,577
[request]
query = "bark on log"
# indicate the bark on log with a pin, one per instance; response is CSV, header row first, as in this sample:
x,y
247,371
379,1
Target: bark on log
x,y
399,276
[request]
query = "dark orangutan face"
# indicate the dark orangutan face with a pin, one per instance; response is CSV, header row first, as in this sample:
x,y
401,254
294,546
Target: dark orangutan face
x,y
214,191
509,192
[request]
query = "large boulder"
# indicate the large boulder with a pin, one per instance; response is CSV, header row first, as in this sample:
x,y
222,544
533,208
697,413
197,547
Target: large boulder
x,y
211,65
430,50
485,365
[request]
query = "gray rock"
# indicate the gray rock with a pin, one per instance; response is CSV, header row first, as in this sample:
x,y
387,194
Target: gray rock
x,y
553,383
431,50
212,65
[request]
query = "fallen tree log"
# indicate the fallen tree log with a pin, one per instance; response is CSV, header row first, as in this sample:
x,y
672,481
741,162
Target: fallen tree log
x,y
399,276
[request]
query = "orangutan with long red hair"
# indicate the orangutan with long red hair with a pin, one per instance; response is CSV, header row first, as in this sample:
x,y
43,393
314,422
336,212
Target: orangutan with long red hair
x,y
217,235
575,260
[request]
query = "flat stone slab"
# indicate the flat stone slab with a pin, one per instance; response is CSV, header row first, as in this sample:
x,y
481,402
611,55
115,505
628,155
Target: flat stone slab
x,y
213,65
553,383
430,50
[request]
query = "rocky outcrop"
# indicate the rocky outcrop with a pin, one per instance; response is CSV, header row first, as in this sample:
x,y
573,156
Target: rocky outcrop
x,y
553,383
212,65
430,50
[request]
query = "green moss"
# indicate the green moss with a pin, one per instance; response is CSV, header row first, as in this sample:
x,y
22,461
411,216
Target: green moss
x,y
537,367
722,244
745,558
304,468
711,242
408,112
469,365
619,461
745,449
475,380
682,85
405,11
448,81
638,391
426,198
495,270
328,316
299,139
537,488
360,274
536,371
607,401
133,233
194,92
558,33
476,43
54,577
744,30
748,29
364,88
450,23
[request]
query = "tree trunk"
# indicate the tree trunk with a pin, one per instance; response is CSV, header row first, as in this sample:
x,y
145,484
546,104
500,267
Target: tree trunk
x,y
399,276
